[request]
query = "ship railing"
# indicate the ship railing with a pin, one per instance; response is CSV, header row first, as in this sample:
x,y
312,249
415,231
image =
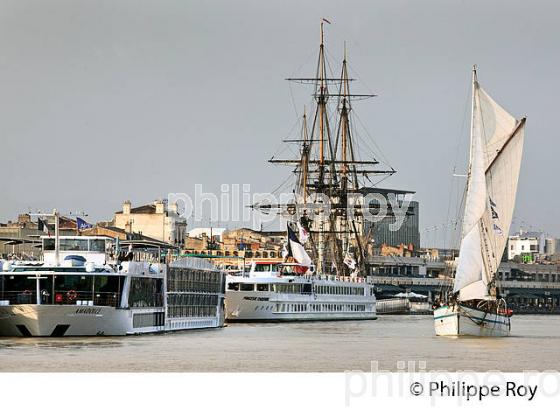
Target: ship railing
x,y
292,297
20,297
338,278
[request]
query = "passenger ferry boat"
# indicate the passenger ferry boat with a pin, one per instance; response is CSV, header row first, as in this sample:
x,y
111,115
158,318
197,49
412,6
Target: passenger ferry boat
x,y
87,294
274,292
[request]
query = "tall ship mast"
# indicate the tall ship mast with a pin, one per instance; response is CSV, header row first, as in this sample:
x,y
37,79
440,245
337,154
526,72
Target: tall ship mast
x,y
496,146
321,277
331,175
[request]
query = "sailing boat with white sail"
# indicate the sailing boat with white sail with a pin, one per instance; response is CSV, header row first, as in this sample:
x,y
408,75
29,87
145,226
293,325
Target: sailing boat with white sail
x,y
474,307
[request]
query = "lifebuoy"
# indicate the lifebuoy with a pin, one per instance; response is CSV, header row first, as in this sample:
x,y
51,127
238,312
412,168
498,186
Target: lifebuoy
x,y
506,312
71,295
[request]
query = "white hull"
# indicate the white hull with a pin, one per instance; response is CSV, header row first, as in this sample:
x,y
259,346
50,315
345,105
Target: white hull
x,y
68,320
457,320
271,306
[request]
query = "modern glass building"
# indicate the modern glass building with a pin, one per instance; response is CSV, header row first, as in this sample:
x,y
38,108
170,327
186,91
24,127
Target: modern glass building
x,y
385,231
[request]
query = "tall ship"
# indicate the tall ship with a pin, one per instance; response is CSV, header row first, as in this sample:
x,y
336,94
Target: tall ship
x,y
474,306
323,276
87,286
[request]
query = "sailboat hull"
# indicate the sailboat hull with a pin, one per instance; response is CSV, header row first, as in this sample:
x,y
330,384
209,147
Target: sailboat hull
x,y
459,320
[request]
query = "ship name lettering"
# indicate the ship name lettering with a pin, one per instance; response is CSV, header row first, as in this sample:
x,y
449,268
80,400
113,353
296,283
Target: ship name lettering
x,y
88,311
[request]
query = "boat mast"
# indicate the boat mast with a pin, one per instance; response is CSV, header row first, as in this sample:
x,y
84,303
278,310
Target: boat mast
x,y
57,236
304,158
344,134
322,97
471,136
344,122
321,104
469,170
485,245
331,170
473,107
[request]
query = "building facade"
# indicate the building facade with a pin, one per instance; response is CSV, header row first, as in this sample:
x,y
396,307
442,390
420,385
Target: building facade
x,y
524,246
552,247
20,238
156,220
384,233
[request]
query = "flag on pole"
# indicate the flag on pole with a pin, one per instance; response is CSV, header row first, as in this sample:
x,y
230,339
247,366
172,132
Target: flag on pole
x,y
42,225
303,234
285,252
349,261
498,230
493,209
82,224
296,249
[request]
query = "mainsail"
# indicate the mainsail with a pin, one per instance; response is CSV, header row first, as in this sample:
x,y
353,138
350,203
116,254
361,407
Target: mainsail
x,y
495,161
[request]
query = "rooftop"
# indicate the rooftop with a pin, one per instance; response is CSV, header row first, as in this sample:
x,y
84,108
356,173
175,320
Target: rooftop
x,y
143,209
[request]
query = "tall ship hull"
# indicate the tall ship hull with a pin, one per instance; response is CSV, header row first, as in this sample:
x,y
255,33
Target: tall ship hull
x,y
298,299
128,298
458,320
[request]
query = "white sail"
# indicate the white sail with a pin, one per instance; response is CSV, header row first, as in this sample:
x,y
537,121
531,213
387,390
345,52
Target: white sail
x,y
495,160
504,148
471,277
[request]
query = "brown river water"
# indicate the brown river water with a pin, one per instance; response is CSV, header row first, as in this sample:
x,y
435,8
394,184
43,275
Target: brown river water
x,y
388,342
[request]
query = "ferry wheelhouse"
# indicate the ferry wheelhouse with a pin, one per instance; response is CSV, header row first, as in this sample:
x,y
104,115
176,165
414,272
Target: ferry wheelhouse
x,y
275,292
90,292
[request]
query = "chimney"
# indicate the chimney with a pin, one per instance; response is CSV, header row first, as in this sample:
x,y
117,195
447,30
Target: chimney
x,y
126,207
159,207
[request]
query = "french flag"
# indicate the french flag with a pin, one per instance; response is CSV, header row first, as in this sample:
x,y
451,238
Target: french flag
x,y
296,249
42,225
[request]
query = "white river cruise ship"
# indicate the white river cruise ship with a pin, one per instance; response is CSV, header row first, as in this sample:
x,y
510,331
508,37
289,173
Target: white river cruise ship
x,y
272,292
86,295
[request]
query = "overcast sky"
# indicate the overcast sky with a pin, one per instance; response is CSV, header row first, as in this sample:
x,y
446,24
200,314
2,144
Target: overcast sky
x,y
102,101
